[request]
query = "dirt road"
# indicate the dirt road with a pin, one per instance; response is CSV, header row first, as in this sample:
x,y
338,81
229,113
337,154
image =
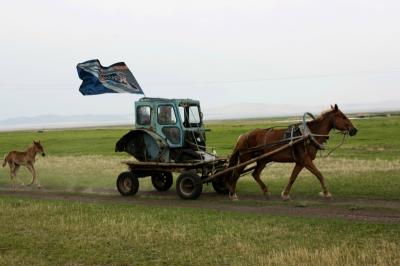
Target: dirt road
x,y
361,209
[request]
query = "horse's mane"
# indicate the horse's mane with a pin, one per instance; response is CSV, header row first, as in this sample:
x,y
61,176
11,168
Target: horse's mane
x,y
323,114
31,146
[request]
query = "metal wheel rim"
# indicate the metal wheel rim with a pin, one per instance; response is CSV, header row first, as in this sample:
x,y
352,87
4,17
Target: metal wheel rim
x,y
187,185
160,180
126,184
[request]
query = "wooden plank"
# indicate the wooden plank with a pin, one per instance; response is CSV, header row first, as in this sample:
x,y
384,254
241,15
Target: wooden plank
x,y
148,165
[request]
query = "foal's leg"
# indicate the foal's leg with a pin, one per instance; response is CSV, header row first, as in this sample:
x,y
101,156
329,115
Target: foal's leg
x,y
16,168
296,171
33,172
256,175
12,174
314,170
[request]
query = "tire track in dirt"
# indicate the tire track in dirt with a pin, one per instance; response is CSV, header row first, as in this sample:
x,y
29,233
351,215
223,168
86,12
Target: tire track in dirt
x,y
356,209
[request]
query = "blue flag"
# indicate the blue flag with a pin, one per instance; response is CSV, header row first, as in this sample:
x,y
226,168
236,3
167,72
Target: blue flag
x,y
97,79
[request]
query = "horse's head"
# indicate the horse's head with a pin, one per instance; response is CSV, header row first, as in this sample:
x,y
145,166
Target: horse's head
x,y
341,122
38,147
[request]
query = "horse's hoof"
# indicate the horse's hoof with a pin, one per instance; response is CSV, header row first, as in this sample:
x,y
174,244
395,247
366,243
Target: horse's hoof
x,y
326,195
285,197
39,187
267,194
234,197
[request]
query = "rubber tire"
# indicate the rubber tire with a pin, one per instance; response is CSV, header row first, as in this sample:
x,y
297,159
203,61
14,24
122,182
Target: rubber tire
x,y
185,185
220,187
165,184
127,184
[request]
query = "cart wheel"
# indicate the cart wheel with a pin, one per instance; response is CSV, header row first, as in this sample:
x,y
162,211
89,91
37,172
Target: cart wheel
x,y
127,184
162,181
220,186
188,185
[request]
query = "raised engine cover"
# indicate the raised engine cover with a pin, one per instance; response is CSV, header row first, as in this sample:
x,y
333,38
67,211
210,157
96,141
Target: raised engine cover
x,y
144,145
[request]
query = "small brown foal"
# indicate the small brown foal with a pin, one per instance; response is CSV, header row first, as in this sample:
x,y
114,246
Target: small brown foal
x,y
26,158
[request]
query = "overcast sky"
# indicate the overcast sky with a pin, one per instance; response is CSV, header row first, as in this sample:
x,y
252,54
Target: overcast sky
x,y
220,52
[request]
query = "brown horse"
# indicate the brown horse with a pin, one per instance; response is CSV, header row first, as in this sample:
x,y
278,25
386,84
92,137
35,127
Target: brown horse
x,y
26,158
302,153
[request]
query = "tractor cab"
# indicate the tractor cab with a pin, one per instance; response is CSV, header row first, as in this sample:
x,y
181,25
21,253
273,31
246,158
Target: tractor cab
x,y
175,120
165,130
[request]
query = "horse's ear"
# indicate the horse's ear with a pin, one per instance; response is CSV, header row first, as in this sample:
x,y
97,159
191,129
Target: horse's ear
x,y
336,107
331,107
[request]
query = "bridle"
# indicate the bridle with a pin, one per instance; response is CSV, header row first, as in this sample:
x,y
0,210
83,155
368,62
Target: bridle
x,y
312,135
345,133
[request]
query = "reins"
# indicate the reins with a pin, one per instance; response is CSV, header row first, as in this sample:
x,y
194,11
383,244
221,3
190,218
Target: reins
x,y
336,147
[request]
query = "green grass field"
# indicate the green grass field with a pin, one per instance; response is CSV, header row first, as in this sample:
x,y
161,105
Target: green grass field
x,y
65,233
377,138
49,232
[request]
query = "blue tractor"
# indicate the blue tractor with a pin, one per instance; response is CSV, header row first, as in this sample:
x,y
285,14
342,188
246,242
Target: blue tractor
x,y
169,136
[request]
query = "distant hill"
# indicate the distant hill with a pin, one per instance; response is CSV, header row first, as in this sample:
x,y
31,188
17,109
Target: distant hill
x,y
232,111
64,121
255,110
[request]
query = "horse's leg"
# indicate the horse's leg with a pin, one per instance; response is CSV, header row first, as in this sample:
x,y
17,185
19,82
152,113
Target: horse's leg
x,y
235,176
256,175
232,185
314,170
228,181
229,184
12,174
296,171
16,168
33,172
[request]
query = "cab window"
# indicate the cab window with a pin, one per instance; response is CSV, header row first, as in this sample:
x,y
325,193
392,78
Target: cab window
x,y
173,134
166,115
194,115
190,115
143,115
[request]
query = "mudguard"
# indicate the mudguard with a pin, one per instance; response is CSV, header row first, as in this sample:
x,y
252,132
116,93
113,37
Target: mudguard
x,y
144,145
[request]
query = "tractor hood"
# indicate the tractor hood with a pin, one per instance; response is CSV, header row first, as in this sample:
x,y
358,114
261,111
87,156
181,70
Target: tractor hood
x,y
144,145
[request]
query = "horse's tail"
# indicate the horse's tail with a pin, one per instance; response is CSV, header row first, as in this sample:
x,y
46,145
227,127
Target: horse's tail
x,y
5,160
233,159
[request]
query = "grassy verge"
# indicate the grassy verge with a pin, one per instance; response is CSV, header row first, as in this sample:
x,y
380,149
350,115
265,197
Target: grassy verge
x,y
37,232
345,177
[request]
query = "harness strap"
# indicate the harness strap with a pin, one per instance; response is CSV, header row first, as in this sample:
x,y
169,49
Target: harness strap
x,y
291,144
291,136
306,134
